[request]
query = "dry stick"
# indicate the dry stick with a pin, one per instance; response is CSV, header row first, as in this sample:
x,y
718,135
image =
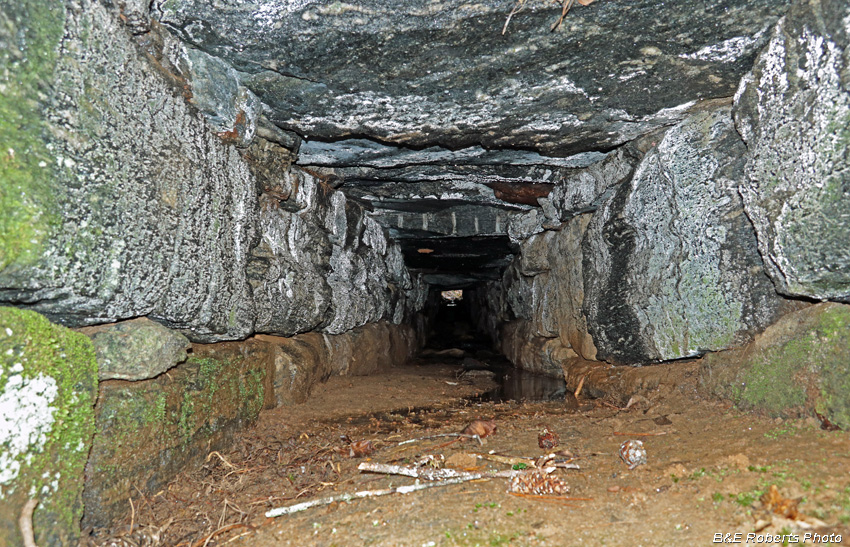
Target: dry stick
x,y
627,434
132,514
25,522
431,474
517,8
234,538
580,385
358,495
567,4
204,541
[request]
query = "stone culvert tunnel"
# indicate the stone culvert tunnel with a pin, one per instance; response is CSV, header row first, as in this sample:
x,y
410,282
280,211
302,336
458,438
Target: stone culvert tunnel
x,y
253,196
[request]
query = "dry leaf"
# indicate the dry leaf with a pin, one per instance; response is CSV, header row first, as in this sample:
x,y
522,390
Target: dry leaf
x,y
775,503
358,449
585,2
825,424
482,428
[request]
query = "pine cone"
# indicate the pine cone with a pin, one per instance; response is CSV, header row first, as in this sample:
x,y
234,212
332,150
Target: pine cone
x,y
539,484
633,453
547,440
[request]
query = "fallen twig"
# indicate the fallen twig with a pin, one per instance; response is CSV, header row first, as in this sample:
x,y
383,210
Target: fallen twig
x,y
517,8
431,474
25,522
565,8
508,460
358,495
580,385
132,514
220,457
204,541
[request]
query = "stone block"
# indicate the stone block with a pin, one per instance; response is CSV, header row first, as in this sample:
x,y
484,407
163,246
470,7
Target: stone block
x,y
150,430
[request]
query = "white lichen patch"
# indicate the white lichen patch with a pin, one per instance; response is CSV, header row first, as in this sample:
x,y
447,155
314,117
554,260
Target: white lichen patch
x,y
726,51
26,419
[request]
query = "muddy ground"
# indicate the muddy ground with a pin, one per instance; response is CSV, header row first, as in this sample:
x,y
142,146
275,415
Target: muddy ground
x,y
709,468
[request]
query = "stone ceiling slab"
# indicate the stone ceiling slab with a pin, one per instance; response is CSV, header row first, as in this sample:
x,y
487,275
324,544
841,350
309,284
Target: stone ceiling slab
x,y
422,73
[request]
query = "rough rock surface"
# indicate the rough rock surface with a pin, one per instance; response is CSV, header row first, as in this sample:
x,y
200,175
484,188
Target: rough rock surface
x,y
101,228
136,350
793,111
150,430
441,73
798,365
136,208
323,264
667,267
528,351
585,189
48,385
671,265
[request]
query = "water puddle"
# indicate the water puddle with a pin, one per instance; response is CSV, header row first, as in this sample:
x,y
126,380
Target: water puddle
x,y
519,385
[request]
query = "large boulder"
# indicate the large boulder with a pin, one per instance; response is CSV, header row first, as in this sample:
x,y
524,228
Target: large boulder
x,y
793,111
48,386
671,267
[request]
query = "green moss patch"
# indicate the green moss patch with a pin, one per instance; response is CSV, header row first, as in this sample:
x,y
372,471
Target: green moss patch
x,y
30,31
47,393
802,363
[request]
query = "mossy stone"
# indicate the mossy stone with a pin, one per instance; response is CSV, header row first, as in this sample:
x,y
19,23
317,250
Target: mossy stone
x,y
29,34
798,365
48,384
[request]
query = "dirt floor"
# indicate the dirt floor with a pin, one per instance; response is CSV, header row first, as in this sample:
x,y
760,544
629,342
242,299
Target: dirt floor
x,y
710,472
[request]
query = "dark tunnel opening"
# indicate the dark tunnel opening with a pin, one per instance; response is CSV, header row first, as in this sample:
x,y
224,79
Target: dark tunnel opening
x,y
457,335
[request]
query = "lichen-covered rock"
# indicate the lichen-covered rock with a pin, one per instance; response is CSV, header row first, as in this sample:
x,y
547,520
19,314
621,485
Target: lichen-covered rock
x,y
799,364
793,111
136,350
671,267
150,430
48,385
117,199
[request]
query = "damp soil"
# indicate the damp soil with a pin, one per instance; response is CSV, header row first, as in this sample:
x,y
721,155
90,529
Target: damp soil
x,y
710,470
